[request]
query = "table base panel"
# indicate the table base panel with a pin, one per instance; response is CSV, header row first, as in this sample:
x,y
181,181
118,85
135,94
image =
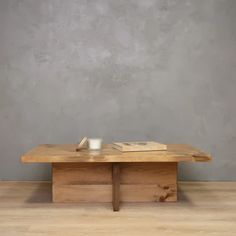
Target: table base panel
x,y
94,182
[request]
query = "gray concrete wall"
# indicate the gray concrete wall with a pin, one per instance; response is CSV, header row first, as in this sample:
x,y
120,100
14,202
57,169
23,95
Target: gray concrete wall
x,y
122,70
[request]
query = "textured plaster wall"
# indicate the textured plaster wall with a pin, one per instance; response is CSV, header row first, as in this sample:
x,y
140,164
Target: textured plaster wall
x,y
122,70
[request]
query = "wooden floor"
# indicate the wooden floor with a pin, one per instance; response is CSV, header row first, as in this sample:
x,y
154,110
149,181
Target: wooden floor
x,y
204,209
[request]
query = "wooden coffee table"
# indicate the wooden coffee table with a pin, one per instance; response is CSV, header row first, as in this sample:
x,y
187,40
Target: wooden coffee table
x,y
113,176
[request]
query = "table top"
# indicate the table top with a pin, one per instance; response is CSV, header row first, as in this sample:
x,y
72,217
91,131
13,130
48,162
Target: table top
x,y
66,153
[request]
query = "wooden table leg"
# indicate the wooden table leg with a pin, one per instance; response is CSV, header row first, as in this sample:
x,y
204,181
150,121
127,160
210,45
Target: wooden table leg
x,y
116,186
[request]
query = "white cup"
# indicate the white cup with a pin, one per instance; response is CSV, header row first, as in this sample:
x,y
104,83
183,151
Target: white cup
x,y
95,143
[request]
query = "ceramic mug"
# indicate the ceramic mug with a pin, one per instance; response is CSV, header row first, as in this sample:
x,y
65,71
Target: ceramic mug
x,y
95,143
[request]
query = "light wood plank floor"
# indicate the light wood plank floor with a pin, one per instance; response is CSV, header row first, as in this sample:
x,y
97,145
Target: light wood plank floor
x,y
204,209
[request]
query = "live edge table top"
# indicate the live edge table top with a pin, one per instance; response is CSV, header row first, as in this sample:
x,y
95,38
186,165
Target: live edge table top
x,y
67,153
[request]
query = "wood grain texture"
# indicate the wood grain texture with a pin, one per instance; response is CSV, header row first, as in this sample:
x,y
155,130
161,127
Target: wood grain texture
x,y
116,186
148,173
93,193
125,182
82,173
148,182
148,193
205,208
82,182
67,153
